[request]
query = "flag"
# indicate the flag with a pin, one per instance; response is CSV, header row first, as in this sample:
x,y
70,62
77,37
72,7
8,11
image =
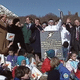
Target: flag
x,y
36,74
10,36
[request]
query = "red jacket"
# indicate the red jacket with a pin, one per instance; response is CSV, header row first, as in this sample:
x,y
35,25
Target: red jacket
x,y
13,72
77,73
46,65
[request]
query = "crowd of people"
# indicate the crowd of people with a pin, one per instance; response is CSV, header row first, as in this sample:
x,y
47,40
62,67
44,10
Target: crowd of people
x,y
19,56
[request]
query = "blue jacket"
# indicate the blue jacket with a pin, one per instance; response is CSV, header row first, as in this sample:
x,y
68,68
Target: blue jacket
x,y
64,73
16,78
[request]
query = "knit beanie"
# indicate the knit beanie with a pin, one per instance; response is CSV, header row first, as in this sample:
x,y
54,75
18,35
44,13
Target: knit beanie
x,y
50,53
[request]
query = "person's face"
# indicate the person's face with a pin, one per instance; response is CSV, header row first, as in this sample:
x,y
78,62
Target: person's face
x,y
64,25
68,21
11,53
44,25
27,20
56,23
37,22
77,23
73,57
23,63
51,23
10,22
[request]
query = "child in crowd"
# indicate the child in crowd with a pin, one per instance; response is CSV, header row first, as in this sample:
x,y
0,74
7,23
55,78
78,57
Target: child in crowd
x,y
26,56
22,54
22,73
3,67
11,57
30,52
72,62
56,65
5,73
78,71
21,60
54,74
65,50
30,55
46,63
23,63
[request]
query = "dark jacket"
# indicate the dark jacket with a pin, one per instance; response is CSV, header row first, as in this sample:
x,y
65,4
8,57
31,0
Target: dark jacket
x,y
73,36
68,27
18,36
36,32
74,43
53,75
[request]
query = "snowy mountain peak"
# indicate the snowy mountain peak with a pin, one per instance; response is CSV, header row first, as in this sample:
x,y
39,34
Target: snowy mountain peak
x,y
4,10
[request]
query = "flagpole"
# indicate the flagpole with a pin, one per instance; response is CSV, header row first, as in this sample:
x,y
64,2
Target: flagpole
x,y
61,14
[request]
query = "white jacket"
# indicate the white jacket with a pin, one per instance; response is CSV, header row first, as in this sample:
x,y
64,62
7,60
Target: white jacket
x,y
65,35
72,65
53,27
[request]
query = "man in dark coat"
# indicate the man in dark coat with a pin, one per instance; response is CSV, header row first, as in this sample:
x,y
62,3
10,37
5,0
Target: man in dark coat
x,y
75,36
36,32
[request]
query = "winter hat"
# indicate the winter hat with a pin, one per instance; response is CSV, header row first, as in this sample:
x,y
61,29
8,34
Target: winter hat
x,y
50,53
20,59
15,20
